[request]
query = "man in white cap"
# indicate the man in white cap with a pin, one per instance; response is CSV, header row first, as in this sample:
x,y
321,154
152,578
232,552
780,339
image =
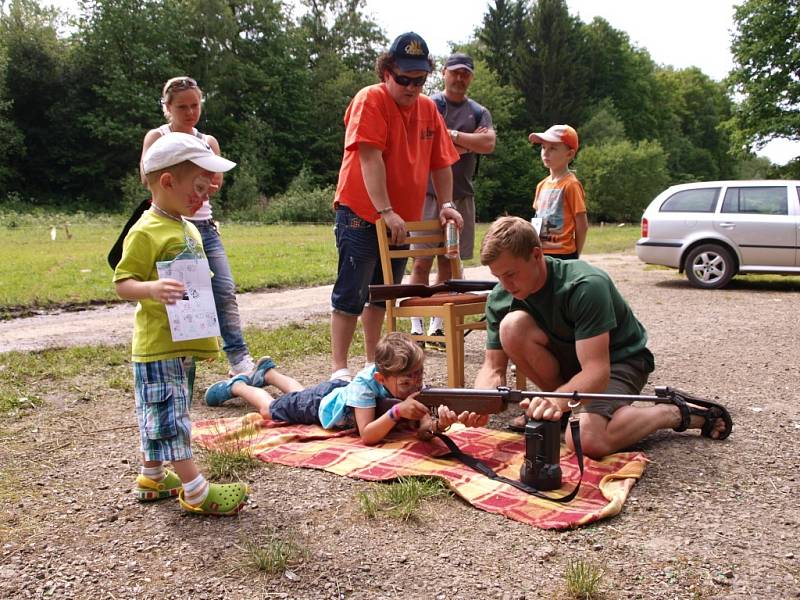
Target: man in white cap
x,y
394,142
470,127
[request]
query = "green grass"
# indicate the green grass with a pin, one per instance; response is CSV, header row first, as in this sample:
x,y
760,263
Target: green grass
x,y
582,580
39,272
28,377
399,499
271,554
232,458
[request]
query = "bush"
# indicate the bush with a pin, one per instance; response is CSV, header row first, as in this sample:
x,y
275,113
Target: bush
x,y
301,206
621,178
302,202
242,195
133,192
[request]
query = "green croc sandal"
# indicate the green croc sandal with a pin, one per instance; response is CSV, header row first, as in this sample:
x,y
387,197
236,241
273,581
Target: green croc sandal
x,y
148,490
224,499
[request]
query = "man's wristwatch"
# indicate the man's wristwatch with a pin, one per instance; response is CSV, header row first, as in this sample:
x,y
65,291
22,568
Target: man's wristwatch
x,y
454,135
447,205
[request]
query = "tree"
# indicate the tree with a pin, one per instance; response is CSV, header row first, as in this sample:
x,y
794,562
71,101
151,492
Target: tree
x,y
621,178
501,37
11,138
552,72
32,88
694,110
342,45
603,126
766,52
624,75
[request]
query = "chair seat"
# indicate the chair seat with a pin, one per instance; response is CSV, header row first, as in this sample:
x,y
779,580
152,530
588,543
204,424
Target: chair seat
x,y
443,298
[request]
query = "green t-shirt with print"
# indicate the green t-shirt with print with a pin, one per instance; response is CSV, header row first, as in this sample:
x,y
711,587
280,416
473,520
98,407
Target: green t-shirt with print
x,y
577,302
152,239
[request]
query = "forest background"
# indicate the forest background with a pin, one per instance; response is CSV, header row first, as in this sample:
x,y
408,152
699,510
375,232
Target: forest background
x,y
77,95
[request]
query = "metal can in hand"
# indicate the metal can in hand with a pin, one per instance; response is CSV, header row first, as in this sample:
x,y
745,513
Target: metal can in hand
x,y
451,239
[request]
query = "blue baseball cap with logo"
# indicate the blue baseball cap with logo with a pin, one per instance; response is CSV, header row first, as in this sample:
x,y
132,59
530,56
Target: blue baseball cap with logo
x,y
410,52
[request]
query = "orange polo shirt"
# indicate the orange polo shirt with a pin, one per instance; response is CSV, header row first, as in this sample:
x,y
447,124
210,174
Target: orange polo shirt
x,y
413,140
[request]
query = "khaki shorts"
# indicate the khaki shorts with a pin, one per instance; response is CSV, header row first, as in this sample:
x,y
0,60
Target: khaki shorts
x,y
626,378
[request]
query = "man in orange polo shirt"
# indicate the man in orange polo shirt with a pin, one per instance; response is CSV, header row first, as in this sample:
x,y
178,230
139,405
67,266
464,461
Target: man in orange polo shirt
x,y
394,140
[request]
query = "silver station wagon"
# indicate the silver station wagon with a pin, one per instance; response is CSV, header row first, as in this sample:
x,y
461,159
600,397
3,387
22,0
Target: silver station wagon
x,y
716,229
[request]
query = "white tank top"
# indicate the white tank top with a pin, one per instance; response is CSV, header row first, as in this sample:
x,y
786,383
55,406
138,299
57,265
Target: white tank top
x,y
204,212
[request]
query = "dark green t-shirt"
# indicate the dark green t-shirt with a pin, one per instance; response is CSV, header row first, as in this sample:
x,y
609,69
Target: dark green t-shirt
x,y
577,302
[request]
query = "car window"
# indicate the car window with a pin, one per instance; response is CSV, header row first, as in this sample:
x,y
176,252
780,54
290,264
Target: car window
x,y
756,200
700,200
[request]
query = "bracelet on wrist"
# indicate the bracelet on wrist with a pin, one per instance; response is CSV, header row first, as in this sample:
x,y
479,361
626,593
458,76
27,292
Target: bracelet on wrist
x,y
393,413
383,211
447,205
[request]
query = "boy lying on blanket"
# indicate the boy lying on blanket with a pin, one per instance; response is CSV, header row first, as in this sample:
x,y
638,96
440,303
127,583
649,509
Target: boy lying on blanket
x,y
341,404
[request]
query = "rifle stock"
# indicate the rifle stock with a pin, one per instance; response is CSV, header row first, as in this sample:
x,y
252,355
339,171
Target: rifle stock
x,y
484,402
381,293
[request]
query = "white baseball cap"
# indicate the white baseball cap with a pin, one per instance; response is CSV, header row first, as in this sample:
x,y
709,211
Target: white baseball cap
x,y
174,148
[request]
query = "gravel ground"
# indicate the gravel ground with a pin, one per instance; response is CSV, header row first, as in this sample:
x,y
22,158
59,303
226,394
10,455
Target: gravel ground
x,y
708,520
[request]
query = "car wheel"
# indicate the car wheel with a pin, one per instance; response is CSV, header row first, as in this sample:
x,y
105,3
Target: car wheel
x,y
710,266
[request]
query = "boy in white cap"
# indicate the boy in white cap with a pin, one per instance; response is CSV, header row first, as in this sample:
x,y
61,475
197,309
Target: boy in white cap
x,y
179,170
559,199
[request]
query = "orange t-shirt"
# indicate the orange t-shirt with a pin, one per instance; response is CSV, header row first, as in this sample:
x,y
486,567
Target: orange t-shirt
x,y
557,204
414,141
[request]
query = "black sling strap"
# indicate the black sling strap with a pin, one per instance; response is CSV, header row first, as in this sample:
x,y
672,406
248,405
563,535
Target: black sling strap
x,y
484,469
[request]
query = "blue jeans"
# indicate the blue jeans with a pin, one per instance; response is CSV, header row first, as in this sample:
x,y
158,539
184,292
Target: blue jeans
x,y
359,263
303,407
224,288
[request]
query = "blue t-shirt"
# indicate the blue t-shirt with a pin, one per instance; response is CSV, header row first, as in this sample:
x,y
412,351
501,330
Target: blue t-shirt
x,y
336,409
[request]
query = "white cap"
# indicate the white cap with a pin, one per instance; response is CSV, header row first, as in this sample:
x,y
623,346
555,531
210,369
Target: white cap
x,y
174,148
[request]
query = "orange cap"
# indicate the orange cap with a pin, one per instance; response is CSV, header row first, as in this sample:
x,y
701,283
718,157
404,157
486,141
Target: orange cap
x,y
557,133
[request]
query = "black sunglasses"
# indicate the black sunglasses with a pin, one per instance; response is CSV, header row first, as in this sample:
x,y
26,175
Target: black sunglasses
x,y
406,81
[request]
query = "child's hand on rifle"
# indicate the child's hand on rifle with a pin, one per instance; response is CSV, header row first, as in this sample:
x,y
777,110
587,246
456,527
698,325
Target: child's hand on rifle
x,y
428,425
411,409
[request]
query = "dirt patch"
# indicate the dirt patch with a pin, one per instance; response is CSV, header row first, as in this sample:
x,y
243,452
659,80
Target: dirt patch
x,y
708,519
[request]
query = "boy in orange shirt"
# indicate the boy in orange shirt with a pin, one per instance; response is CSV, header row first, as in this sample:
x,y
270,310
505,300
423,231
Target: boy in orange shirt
x,y
559,199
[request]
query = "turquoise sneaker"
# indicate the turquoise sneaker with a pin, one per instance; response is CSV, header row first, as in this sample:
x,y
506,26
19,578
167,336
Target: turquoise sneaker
x,y
264,364
221,391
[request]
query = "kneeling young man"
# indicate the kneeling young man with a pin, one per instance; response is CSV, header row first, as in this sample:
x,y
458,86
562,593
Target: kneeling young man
x,y
567,328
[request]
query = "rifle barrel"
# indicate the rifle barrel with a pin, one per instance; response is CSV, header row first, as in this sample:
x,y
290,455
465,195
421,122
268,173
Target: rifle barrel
x,y
516,395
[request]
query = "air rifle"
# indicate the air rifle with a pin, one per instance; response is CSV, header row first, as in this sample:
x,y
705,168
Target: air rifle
x,y
487,402
381,293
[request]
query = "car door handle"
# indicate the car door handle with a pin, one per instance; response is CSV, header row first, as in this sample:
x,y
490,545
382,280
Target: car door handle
x,y
727,225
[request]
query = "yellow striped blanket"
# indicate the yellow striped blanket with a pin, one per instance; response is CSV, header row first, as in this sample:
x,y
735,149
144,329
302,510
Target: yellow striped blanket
x,y
604,489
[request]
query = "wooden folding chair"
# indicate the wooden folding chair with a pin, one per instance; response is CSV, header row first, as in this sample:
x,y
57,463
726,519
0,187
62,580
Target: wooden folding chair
x,y
451,307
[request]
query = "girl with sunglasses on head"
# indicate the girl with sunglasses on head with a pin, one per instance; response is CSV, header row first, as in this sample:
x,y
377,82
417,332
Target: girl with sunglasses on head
x,y
181,102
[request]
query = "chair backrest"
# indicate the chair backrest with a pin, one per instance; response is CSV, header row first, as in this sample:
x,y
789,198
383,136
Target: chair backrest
x,y
418,232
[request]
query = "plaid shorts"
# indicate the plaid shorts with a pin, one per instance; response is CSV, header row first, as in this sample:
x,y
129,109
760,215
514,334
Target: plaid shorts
x,y
162,410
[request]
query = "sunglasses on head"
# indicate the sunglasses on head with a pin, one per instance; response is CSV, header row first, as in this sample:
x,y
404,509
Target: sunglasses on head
x,y
406,81
184,83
